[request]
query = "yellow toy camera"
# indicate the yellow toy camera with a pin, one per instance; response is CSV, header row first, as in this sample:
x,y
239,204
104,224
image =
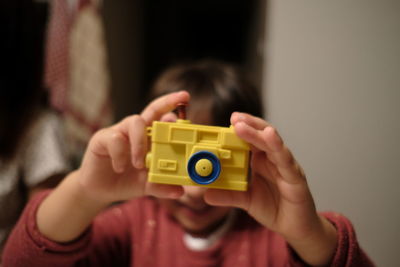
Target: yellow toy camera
x,y
190,154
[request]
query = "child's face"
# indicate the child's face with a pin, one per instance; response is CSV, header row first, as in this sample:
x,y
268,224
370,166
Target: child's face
x,y
191,211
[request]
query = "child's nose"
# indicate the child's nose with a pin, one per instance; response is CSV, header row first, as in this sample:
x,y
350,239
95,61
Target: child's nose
x,y
194,192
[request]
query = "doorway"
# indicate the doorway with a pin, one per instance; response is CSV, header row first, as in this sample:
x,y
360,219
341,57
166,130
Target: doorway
x,y
147,36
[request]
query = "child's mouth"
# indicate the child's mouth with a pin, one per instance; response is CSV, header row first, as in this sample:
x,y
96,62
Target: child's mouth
x,y
193,212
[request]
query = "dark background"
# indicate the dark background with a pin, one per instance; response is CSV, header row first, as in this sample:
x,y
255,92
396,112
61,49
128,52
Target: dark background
x,y
146,36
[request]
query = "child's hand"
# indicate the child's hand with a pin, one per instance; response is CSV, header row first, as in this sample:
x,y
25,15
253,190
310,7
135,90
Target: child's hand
x,y
278,196
112,170
113,165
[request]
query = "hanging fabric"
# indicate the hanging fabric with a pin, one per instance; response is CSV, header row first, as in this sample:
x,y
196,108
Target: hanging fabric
x,y
85,97
56,74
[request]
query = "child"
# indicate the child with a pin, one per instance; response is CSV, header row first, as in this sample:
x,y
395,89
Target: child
x,y
273,223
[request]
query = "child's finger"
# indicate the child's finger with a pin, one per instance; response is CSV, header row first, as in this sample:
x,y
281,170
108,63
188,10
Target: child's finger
x,y
278,151
158,107
250,135
261,165
134,127
228,198
169,117
118,148
255,122
269,141
282,157
111,143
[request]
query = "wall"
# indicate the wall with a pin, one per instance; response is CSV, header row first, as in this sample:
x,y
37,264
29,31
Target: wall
x,y
123,33
332,88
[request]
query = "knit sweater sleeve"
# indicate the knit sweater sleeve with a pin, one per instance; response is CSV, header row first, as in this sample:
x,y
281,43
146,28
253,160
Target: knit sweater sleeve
x,y
99,245
348,252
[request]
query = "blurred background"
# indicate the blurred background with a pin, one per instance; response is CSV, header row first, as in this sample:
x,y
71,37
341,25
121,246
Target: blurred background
x,y
145,37
332,88
329,72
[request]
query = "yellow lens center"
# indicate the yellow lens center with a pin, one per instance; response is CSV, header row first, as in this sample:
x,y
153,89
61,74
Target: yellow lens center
x,y
204,167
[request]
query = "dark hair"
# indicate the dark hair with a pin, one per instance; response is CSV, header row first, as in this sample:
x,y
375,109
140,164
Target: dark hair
x,y
215,86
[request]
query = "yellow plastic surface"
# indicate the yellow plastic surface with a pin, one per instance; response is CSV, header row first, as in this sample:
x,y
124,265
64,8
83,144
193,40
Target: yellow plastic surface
x,y
173,143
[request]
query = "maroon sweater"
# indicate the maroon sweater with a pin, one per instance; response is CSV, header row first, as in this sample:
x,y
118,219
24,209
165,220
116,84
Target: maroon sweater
x,y
140,233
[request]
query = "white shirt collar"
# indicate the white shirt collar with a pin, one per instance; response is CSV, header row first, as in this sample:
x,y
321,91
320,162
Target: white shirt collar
x,y
202,243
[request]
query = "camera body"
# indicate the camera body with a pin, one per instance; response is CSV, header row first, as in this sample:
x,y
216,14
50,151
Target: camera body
x,y
183,153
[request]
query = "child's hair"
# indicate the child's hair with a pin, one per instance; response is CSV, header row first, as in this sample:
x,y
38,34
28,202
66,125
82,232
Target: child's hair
x,y
215,87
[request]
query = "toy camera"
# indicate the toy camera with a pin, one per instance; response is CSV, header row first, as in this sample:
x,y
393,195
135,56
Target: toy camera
x,y
183,153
